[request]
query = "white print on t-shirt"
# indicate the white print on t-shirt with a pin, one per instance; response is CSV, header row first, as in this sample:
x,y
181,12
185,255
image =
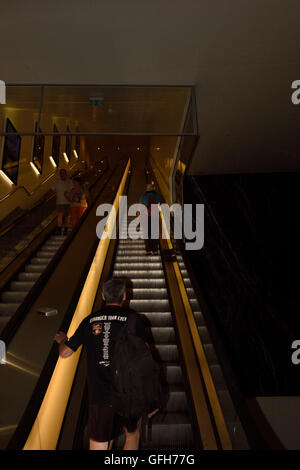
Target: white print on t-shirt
x,y
108,317
106,338
102,318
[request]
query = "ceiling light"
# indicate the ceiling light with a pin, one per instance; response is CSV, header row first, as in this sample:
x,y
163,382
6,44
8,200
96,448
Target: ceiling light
x,y
52,161
75,153
66,157
34,168
7,179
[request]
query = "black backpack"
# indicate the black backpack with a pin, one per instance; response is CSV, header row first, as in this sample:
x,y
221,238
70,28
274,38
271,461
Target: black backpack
x,y
136,388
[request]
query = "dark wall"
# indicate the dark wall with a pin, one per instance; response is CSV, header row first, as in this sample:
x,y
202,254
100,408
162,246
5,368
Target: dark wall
x,y
248,271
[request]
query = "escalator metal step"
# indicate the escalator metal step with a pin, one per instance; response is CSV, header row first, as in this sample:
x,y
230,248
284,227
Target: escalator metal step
x,y
48,249
135,274
7,309
203,332
46,254
131,251
149,293
58,238
227,405
210,354
165,352
170,430
138,266
36,260
199,318
32,268
163,334
130,242
171,373
147,283
161,305
53,242
21,286
28,276
176,397
145,259
218,377
13,297
158,319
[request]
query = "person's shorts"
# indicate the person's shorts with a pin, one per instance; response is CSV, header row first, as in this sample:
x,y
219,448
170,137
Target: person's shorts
x,y
64,208
105,425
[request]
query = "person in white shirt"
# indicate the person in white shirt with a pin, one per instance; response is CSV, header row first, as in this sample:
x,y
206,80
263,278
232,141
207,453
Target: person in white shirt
x,y
60,187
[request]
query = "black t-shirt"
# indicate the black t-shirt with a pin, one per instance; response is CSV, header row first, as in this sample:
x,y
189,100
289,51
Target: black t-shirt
x,y
97,333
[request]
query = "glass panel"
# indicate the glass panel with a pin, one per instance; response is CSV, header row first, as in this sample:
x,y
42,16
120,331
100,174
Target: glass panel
x,y
22,107
100,109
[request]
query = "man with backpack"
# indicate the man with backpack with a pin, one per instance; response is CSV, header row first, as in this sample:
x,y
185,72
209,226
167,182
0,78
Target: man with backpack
x,y
151,199
119,364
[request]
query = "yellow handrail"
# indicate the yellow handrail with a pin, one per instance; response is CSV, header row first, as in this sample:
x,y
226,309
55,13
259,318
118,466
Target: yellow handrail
x,y
201,357
46,428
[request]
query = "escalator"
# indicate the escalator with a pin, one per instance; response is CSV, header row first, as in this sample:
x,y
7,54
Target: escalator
x,y
30,352
172,428
189,418
12,297
149,293
47,246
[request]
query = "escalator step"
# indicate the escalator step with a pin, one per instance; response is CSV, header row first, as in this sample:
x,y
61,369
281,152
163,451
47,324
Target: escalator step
x,y
210,354
170,430
13,297
48,249
218,377
46,254
58,238
171,373
160,335
130,242
138,266
138,259
175,397
227,405
161,305
53,243
187,282
165,352
8,308
199,318
131,251
157,319
21,286
135,274
28,276
149,293
147,283
205,338
38,268
36,260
